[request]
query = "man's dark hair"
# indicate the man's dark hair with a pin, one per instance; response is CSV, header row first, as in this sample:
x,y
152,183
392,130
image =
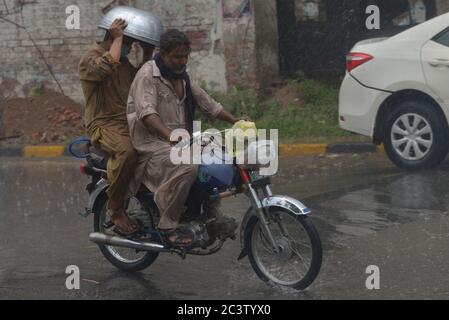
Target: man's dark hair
x,y
172,39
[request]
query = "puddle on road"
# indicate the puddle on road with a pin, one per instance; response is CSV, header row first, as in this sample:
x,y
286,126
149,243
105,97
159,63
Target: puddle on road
x,y
369,207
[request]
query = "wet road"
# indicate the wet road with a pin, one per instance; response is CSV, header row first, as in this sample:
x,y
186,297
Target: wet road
x,y
366,211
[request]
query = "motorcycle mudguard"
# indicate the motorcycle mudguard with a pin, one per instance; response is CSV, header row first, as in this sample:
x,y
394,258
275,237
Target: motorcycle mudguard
x,y
287,203
282,202
100,189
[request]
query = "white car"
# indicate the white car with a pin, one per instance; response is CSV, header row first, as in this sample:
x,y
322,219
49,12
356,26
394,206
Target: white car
x,y
396,90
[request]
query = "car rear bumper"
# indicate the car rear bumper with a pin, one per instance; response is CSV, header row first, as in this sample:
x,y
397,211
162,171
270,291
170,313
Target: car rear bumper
x,y
358,106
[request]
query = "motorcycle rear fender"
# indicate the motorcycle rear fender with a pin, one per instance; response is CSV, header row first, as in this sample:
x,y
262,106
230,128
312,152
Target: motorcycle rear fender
x,y
282,202
95,196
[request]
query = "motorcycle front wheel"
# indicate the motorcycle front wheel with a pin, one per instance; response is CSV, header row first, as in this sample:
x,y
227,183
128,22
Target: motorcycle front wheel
x,y
129,260
298,260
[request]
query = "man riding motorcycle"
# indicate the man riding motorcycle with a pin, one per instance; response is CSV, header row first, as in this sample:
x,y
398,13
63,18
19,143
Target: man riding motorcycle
x,y
277,236
162,98
106,76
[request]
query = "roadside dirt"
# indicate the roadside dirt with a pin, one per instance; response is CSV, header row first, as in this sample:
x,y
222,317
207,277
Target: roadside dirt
x,y
42,120
54,119
286,95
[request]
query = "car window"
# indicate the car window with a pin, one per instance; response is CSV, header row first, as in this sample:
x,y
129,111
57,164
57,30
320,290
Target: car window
x,y
415,14
443,38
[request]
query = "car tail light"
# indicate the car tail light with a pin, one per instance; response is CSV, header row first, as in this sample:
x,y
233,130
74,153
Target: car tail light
x,y
355,59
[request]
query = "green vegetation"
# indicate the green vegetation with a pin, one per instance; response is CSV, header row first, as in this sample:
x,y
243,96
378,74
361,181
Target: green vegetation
x,y
311,115
37,90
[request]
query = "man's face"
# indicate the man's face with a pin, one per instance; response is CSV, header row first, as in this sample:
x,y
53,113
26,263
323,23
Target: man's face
x,y
177,59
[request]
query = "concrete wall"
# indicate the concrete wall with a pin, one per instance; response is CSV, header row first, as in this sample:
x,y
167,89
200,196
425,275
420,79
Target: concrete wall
x,y
202,20
222,34
235,42
22,67
267,41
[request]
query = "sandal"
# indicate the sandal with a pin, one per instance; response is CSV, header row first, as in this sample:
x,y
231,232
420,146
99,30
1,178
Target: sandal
x,y
123,234
184,238
136,230
110,224
137,225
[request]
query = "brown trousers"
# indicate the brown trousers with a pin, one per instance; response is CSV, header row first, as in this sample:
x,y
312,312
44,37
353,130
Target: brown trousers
x,y
123,158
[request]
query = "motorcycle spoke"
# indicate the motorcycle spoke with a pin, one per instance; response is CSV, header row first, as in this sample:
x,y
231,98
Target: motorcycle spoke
x,y
265,242
305,262
291,240
295,269
295,249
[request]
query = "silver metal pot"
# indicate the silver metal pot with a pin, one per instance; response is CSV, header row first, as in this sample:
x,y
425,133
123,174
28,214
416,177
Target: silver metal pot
x,y
142,25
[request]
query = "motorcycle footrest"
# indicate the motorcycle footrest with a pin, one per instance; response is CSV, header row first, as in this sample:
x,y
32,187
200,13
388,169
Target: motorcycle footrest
x,y
87,212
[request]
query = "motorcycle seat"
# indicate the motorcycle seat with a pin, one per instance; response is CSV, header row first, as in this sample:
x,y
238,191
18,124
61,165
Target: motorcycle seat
x,y
98,158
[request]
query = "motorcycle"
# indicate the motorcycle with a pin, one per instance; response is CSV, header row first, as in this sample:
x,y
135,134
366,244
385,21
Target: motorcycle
x,y
276,233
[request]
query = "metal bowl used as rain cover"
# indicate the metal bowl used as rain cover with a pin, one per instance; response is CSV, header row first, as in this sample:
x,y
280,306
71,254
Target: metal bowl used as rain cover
x,y
142,25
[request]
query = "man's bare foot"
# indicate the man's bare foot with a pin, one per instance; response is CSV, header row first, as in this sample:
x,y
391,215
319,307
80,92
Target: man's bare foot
x,y
124,225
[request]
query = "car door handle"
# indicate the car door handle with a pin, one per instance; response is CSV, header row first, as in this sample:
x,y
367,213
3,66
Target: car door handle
x,y
439,63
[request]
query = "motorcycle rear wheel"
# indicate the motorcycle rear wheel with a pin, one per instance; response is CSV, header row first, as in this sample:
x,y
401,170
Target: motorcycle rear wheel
x,y
298,262
128,260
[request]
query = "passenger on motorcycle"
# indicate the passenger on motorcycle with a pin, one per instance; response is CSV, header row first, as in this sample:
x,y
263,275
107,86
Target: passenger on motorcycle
x,y
106,76
163,98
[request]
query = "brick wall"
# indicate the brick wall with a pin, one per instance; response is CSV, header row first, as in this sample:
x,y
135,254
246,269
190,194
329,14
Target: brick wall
x,y
222,33
23,69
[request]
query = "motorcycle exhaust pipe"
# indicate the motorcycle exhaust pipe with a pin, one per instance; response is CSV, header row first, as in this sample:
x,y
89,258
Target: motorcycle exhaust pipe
x,y
103,239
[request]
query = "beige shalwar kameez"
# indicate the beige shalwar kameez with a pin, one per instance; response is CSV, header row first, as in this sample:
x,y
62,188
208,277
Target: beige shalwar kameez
x,y
151,94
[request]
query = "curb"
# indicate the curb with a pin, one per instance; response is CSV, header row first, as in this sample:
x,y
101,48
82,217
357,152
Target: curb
x,y
302,149
357,147
43,151
284,150
333,148
11,152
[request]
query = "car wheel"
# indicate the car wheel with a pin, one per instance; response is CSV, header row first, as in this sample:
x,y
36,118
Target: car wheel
x,y
416,136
